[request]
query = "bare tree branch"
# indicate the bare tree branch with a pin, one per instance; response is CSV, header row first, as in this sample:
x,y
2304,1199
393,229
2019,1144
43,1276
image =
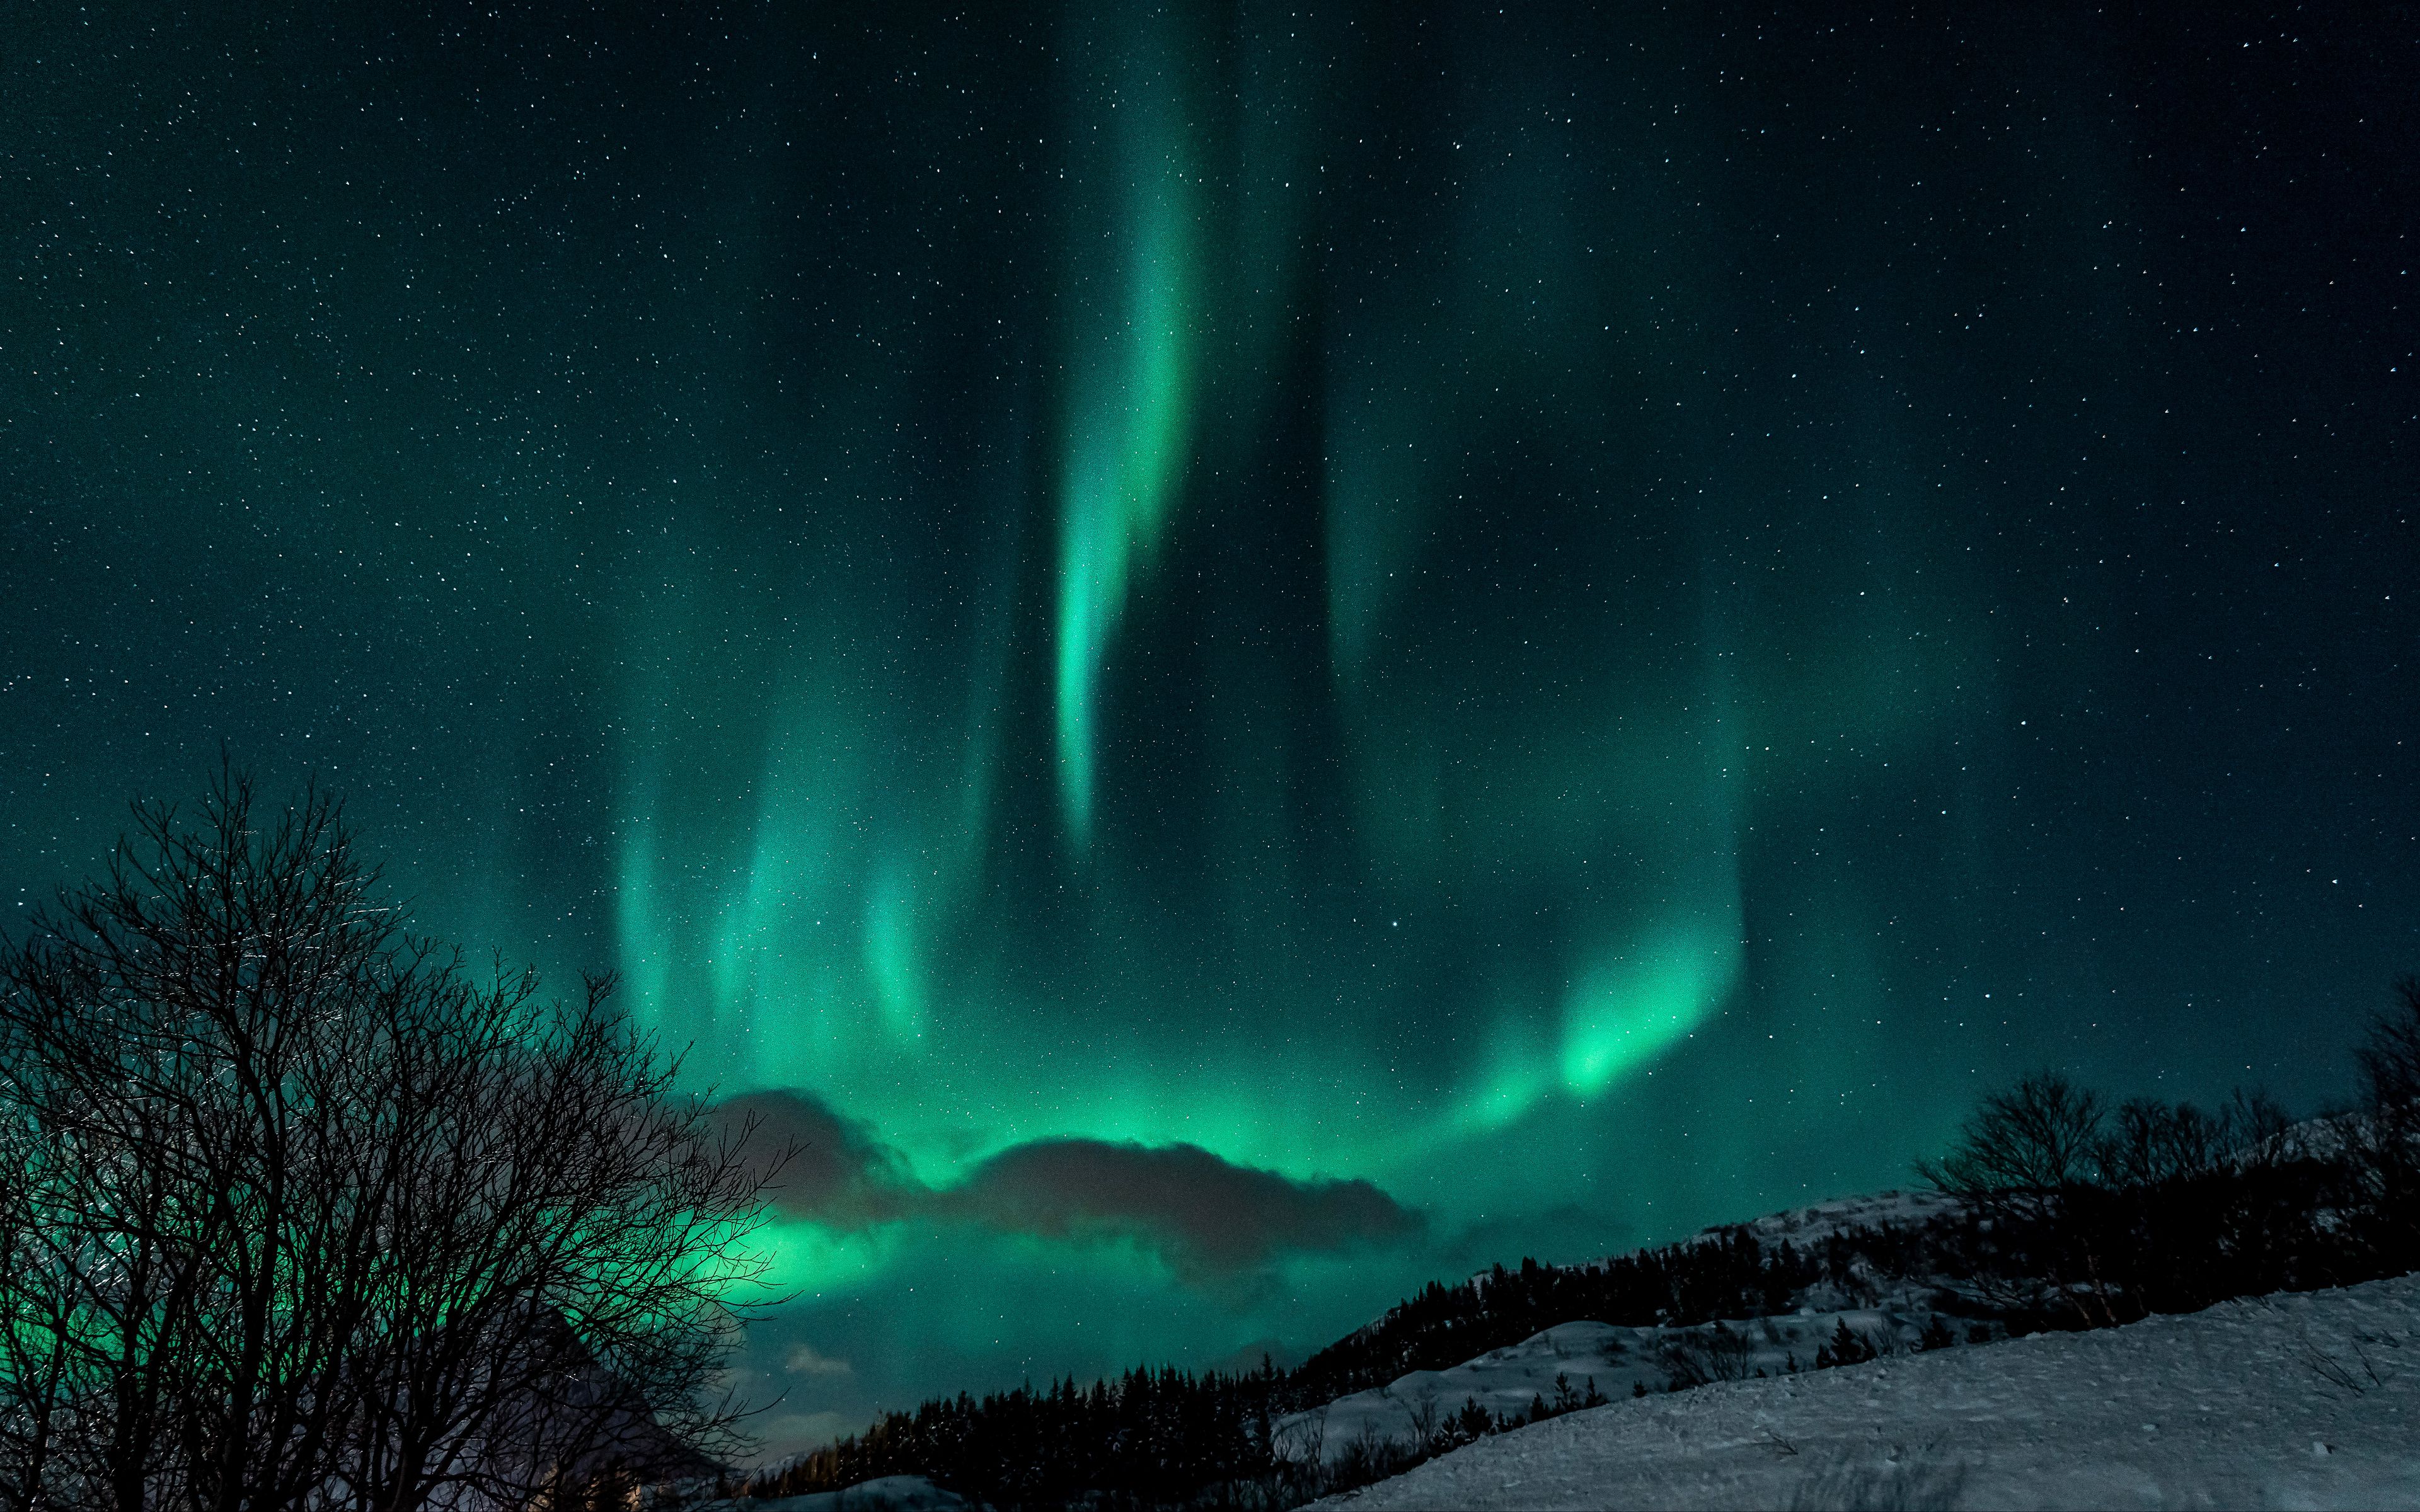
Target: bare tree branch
x,y
298,1211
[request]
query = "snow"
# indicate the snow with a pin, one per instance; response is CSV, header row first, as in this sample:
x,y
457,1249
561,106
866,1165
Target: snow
x,y
1890,1311
890,1493
1610,1358
1803,1226
2301,1400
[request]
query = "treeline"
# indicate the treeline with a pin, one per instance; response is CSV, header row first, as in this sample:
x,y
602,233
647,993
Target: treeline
x,y
1150,1438
2090,1213
1140,1439
1728,1274
1172,1438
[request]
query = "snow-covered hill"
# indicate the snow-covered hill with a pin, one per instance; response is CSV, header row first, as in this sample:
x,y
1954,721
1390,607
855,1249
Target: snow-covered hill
x,y
2307,1401
892,1493
1572,1359
1566,1362
1809,1225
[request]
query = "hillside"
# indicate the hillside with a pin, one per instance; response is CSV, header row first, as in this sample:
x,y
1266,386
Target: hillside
x,y
1658,1316
1888,1250
2302,1399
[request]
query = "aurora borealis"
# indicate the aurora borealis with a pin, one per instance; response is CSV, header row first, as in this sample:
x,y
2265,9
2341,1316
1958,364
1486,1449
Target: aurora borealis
x,y
1241,655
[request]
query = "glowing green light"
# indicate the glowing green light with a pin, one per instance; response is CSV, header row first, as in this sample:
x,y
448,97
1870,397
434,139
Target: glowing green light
x,y
808,1258
1632,1006
1129,430
891,953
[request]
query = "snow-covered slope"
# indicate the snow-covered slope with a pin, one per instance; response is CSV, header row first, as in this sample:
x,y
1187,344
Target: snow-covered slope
x,y
892,1493
1809,1225
2308,1400
1891,1314
1571,1359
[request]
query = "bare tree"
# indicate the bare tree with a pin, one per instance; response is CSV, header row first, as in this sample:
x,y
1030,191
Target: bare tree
x,y
2390,1056
1424,1414
573,1246
2383,1138
2039,1138
2025,1158
1699,1357
299,1211
2106,1214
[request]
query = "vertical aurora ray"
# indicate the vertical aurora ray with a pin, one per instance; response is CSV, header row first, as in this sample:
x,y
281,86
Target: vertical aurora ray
x,y
1630,1004
803,819
891,956
1133,318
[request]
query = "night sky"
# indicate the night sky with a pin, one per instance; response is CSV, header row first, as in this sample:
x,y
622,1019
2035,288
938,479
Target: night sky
x,y
1242,656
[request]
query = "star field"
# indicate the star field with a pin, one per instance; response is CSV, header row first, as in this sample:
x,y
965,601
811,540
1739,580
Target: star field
x,y
1525,632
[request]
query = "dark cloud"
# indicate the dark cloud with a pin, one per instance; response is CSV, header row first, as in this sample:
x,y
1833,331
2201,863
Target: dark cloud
x,y
1207,1215
1210,1218
837,1171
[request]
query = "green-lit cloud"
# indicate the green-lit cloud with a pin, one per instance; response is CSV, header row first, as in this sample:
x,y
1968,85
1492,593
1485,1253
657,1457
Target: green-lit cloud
x,y
1213,1222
